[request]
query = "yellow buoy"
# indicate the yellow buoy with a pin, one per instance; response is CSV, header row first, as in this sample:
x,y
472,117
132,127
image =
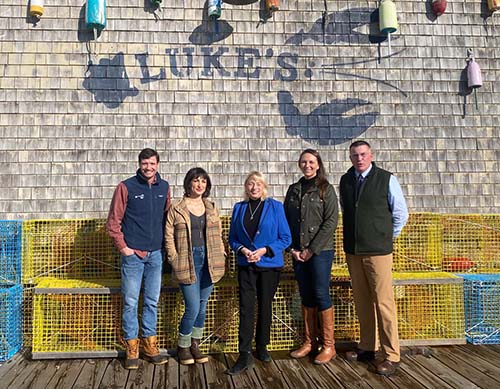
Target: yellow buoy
x,y
36,8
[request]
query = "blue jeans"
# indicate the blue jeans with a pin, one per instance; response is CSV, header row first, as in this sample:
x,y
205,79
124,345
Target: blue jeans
x,y
136,271
313,278
196,295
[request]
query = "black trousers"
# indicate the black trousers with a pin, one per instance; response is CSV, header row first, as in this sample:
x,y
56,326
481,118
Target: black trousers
x,y
260,284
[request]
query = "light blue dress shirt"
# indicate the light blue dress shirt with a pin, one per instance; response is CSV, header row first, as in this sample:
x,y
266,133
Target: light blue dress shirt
x,y
396,202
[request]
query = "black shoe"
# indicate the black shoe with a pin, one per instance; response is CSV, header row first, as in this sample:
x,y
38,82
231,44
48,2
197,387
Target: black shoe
x,y
262,354
360,355
244,362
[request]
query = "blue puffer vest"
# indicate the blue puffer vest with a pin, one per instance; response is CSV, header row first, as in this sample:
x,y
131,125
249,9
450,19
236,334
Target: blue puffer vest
x,y
143,224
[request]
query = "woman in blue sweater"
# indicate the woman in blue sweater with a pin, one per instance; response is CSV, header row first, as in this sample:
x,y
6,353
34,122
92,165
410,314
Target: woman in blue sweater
x,y
258,235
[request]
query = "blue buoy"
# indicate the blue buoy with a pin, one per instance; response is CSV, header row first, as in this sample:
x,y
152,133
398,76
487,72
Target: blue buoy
x,y
95,15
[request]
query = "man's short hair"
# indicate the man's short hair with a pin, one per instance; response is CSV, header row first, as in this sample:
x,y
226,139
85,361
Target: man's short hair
x,y
148,153
359,143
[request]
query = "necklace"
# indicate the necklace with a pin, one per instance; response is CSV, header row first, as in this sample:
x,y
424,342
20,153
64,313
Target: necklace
x,y
252,213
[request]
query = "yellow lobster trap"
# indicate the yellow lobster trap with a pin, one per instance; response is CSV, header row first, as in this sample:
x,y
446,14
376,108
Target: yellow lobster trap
x,y
68,249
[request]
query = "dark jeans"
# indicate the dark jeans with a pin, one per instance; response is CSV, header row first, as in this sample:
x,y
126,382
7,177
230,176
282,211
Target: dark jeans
x,y
252,284
313,278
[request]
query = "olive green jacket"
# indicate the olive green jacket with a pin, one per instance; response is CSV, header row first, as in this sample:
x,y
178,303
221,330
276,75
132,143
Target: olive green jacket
x,y
179,248
312,220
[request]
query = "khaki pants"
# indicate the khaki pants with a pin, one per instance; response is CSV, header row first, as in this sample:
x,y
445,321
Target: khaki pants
x,y
371,279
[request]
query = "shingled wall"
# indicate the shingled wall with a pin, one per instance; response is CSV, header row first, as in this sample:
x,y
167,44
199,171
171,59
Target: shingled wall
x,y
249,92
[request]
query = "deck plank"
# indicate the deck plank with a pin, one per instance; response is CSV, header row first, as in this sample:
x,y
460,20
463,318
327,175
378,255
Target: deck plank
x,y
141,378
468,367
115,375
167,375
462,366
440,370
245,380
215,372
192,376
345,374
66,375
269,375
91,374
320,375
292,371
29,374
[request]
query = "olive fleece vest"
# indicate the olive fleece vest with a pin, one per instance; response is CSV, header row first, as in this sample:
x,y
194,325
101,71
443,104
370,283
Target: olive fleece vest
x,y
367,220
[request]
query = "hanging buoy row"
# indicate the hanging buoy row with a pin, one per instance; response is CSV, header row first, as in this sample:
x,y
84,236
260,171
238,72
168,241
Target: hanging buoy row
x,y
272,5
388,20
493,5
474,78
36,8
214,8
95,15
438,7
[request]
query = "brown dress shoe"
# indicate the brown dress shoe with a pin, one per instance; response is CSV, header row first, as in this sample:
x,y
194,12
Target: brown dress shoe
x,y
132,360
387,368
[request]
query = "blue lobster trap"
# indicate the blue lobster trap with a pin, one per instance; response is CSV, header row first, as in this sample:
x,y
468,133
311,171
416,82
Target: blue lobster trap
x,y
11,304
10,251
482,308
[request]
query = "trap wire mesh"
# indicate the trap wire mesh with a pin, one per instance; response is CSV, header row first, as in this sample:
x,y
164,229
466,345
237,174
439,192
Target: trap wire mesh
x,y
10,251
11,339
482,308
471,243
78,248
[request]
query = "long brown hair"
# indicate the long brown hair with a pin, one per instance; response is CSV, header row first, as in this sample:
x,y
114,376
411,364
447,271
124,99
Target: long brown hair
x,y
320,181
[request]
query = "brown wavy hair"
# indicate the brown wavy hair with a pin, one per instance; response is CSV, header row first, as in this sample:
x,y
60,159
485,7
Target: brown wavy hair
x,y
320,181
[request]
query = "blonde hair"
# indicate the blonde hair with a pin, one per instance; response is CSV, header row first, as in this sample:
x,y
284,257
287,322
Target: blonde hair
x,y
258,177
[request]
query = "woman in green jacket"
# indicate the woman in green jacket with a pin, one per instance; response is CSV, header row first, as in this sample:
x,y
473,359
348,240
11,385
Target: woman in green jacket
x,y
311,208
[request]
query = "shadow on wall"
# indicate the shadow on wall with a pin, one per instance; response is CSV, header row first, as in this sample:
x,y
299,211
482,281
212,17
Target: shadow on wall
x,y
108,81
330,123
355,26
210,30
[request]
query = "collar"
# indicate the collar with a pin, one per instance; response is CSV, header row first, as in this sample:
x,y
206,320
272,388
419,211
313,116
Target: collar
x,y
365,173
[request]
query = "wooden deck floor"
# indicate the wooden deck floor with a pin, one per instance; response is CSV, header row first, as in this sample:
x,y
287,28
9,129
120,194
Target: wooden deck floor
x,y
449,367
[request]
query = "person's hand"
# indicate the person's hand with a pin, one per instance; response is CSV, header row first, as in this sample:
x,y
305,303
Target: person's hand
x,y
256,255
126,251
306,255
296,255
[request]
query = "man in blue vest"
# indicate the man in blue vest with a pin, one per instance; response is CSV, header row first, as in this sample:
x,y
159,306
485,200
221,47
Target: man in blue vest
x,y
136,223
374,213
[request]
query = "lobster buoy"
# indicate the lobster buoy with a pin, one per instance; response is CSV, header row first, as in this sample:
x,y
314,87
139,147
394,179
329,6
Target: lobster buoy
x,y
272,5
438,7
214,9
36,8
474,78
388,20
493,5
95,15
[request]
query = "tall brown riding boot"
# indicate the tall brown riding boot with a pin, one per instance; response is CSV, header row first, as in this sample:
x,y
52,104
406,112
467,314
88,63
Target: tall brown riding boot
x,y
151,352
132,361
310,344
328,349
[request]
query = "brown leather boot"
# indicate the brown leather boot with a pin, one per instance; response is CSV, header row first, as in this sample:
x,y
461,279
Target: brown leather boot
x,y
151,352
196,353
132,361
328,349
310,344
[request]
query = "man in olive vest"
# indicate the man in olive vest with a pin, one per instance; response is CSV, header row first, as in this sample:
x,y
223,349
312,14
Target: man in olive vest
x,y
374,212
